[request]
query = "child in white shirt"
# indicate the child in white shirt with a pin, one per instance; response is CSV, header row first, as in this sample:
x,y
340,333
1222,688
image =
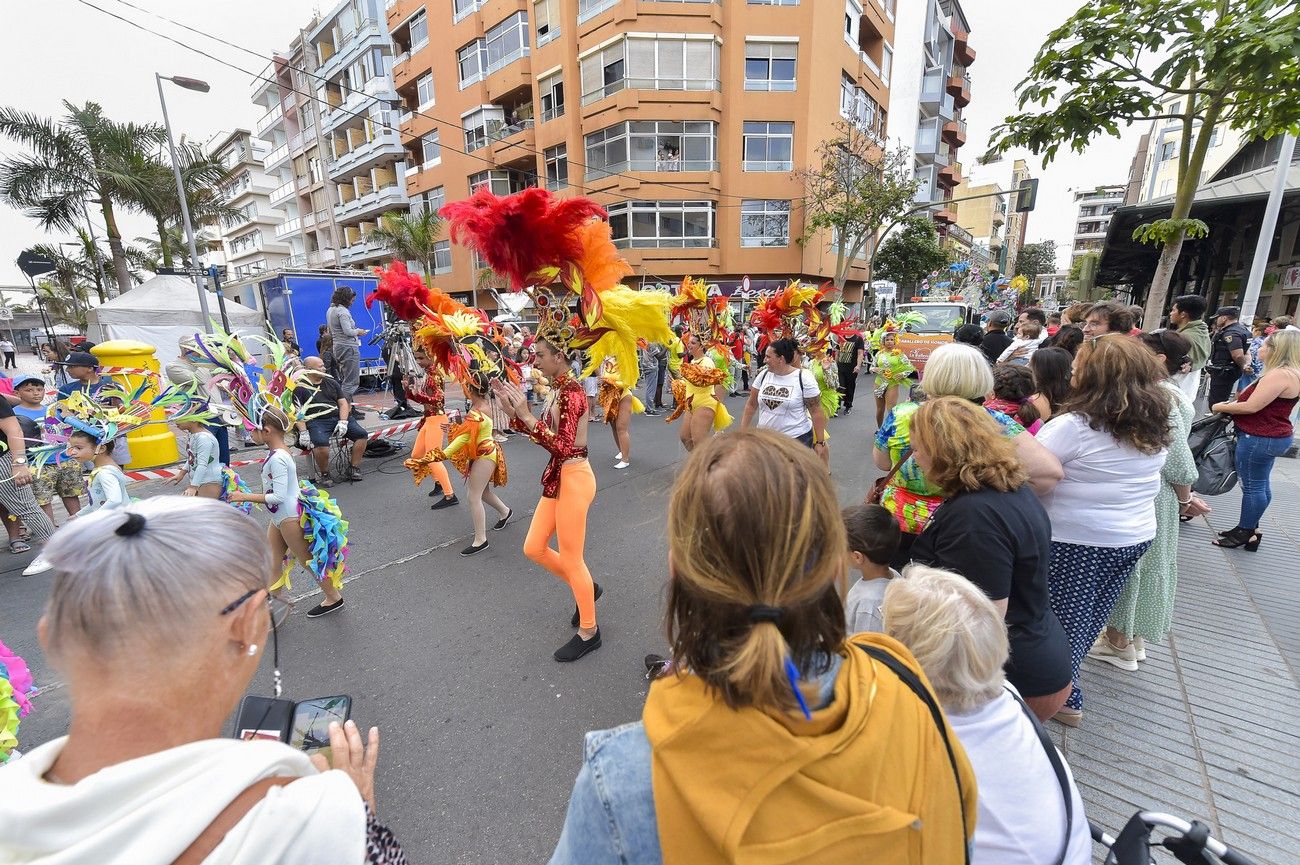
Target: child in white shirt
x,y
1029,336
873,539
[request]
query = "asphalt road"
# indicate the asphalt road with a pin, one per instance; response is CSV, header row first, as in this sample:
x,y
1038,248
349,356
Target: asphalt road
x,y
451,657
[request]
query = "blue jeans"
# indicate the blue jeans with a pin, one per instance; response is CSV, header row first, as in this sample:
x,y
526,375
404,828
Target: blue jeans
x,y
1255,456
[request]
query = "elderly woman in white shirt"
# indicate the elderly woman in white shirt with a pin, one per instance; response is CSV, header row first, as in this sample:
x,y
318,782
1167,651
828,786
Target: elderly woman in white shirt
x,y
785,398
958,637
157,620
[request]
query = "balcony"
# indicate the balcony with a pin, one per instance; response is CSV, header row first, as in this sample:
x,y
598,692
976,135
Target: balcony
x,y
932,89
949,176
324,257
954,132
367,35
365,154
268,120
945,216
288,227
373,203
959,87
283,192
961,50
930,146
512,140
929,188
277,157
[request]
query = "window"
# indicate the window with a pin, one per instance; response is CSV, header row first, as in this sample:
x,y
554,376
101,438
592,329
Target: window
x,y
663,224
465,7
1168,150
424,90
886,64
772,2
591,8
1214,137
480,124
419,31
764,223
507,42
431,148
770,65
557,166
852,22
502,181
651,63
442,256
546,19
650,145
857,106
471,59
1164,187
430,202
768,146
552,90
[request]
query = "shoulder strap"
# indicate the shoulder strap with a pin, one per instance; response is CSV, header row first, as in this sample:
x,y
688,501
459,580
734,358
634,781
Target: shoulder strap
x,y
917,687
1058,767
238,808
902,458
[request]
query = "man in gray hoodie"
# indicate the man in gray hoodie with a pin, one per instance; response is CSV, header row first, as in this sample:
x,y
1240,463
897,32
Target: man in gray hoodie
x,y
1187,316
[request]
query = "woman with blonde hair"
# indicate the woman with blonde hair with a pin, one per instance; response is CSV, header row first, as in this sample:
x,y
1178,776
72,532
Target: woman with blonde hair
x,y
993,531
158,619
951,370
1027,814
775,740
1111,436
1262,415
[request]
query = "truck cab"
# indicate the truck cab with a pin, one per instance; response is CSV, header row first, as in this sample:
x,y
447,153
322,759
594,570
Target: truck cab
x,y
941,321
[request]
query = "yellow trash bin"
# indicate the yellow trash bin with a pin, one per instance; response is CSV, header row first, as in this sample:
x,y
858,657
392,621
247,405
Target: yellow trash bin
x,y
154,444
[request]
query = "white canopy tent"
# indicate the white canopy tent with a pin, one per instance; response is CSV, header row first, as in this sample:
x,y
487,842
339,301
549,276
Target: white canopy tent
x,y
160,311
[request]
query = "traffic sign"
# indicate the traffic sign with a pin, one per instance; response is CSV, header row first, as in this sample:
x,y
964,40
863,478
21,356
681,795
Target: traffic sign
x,y
6,314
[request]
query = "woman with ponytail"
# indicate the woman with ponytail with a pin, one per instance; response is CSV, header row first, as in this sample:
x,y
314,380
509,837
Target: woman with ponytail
x,y
776,737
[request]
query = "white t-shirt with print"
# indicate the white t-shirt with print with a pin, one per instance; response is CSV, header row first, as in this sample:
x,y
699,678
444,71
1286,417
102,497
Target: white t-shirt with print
x,y
781,401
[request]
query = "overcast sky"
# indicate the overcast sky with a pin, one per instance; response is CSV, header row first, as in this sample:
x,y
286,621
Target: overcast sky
x,y
88,55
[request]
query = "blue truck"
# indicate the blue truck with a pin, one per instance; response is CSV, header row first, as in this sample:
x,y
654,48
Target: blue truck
x,y
299,301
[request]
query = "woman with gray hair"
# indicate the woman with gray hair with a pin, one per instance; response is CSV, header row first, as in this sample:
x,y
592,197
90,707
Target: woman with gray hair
x,y
1030,811
158,619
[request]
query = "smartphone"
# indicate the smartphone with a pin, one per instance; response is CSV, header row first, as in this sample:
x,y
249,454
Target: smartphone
x,y
264,718
310,730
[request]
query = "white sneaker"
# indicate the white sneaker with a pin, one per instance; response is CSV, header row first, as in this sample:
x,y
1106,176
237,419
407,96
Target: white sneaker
x,y
618,457
622,464
1124,659
1140,648
38,566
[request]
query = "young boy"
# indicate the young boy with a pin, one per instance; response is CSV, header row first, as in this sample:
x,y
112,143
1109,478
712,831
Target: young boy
x,y
107,483
873,539
1029,336
64,479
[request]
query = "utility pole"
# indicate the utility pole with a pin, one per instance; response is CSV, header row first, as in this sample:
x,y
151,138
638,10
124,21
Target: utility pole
x,y
201,87
1264,243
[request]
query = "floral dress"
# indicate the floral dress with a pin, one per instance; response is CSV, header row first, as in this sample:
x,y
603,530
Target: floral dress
x,y
1146,607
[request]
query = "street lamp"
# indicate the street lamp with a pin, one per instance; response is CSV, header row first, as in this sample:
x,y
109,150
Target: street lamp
x,y
200,87
72,288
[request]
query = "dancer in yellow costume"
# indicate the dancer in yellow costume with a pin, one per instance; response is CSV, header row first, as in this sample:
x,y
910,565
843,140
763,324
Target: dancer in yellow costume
x,y
619,404
701,389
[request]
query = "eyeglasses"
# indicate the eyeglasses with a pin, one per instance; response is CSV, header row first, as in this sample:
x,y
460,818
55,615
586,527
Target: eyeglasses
x,y
279,612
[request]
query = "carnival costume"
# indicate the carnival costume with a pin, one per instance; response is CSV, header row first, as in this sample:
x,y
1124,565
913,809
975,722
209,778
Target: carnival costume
x,y
236,381
612,390
533,240
703,317
893,367
16,689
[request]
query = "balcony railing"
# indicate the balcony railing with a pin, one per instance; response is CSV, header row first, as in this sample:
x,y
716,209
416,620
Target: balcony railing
x,y
766,165
269,119
288,227
692,84
552,113
508,129
282,192
592,8
278,155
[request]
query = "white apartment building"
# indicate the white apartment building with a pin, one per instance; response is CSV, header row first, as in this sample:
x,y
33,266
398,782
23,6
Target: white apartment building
x,y
1159,158
1093,219
249,245
930,86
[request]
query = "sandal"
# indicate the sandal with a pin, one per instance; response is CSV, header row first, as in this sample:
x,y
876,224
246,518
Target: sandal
x,y
18,545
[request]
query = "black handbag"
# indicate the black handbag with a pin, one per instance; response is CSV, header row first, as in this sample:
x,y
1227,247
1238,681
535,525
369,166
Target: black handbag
x,y
1213,443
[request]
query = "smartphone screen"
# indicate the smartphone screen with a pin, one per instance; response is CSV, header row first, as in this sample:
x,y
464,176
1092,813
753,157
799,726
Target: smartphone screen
x,y
310,731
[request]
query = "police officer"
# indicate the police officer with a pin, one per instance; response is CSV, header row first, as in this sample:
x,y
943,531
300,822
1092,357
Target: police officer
x,y
1229,354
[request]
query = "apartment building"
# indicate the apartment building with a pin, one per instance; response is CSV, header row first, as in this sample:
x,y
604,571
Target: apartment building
x,y
1017,222
983,218
249,245
931,85
685,119
1095,209
1155,169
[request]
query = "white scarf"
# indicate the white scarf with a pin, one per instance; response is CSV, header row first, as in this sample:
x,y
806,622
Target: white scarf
x,y
147,811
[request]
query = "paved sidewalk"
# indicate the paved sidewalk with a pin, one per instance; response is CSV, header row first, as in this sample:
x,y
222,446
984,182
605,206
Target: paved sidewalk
x,y
1207,728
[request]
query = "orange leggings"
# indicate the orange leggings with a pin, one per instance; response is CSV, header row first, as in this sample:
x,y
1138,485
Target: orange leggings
x,y
566,518
430,436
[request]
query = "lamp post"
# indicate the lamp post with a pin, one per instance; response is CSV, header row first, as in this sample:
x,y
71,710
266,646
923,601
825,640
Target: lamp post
x,y
72,286
201,87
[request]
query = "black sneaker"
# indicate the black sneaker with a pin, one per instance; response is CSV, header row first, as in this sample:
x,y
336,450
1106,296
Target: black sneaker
x,y
577,647
471,549
324,482
848,409
501,523
573,623
446,502
651,413
354,473
323,609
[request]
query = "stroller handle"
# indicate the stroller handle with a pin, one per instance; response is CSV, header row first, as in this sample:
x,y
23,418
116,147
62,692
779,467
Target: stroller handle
x,y
1180,829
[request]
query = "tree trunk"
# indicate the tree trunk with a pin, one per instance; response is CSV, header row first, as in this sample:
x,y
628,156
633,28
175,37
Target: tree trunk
x,y
164,243
120,269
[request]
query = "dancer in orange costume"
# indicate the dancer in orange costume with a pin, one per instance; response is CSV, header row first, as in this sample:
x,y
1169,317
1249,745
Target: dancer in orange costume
x,y
618,404
433,427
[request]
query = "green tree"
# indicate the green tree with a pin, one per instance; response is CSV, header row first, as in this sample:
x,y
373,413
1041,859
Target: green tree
x,y
1203,63
153,192
65,292
411,237
910,255
853,191
1036,258
80,161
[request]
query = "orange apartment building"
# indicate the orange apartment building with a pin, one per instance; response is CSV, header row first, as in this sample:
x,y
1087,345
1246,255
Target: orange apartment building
x,y
684,119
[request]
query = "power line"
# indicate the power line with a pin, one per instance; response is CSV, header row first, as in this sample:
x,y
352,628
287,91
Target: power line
x,y
365,116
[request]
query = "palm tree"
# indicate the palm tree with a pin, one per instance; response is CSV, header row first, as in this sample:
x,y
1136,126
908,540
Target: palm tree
x,y
93,263
411,237
154,193
71,163
151,253
65,294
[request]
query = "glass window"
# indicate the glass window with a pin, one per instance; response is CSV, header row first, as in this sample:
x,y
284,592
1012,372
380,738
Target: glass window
x,y
557,166
663,224
852,22
442,256
772,2
465,7
764,223
602,73
424,90
502,181
552,92
546,20
1168,150
419,31
651,63
770,65
472,62
591,8
653,145
768,146
507,41
431,148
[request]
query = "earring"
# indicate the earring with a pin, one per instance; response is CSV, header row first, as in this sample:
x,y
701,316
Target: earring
x,y
252,650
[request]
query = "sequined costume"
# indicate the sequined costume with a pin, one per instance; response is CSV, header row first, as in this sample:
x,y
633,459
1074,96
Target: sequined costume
x,y
428,392
470,440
